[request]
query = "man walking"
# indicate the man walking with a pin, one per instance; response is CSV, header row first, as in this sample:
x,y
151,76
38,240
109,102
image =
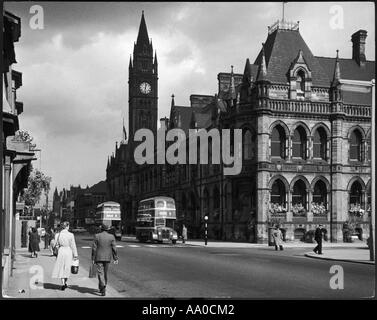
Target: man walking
x,y
184,234
278,238
104,246
318,238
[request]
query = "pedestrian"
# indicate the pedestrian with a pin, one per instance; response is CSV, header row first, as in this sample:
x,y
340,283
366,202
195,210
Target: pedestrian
x,y
104,246
278,238
34,240
318,238
67,251
184,233
53,235
47,238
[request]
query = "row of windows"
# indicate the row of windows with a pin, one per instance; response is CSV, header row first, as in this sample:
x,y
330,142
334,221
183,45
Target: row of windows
x,y
299,194
279,142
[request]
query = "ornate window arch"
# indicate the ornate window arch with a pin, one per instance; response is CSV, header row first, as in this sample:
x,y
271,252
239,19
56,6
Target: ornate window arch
x,y
320,147
278,142
355,145
299,143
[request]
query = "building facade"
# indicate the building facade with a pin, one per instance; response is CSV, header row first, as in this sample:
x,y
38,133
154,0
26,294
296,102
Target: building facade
x,y
16,153
306,152
78,205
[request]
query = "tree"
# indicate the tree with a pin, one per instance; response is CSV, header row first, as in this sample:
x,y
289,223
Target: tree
x,y
37,183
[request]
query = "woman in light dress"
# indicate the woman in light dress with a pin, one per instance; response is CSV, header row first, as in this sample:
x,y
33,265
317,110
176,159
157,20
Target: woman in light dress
x,y
67,251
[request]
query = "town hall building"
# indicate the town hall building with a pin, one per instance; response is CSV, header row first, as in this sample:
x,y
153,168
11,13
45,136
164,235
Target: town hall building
x,y
306,143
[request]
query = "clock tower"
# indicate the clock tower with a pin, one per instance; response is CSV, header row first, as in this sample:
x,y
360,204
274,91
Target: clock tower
x,y
142,84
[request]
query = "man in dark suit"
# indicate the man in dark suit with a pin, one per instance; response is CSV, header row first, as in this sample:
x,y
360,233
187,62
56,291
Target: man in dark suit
x,y
318,238
104,246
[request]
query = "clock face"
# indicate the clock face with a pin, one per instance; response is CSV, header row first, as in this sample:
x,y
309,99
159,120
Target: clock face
x,y
145,88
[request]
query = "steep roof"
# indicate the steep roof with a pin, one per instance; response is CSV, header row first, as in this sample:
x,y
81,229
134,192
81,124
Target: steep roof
x,y
99,187
349,69
281,48
142,36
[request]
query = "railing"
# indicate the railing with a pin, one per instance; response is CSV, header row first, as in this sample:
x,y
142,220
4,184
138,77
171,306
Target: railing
x,y
284,25
362,111
299,106
317,107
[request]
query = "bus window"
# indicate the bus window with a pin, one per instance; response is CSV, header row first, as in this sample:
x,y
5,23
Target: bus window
x,y
160,222
170,204
170,223
160,204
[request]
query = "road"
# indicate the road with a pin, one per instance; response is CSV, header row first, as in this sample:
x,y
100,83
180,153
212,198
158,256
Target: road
x,y
181,271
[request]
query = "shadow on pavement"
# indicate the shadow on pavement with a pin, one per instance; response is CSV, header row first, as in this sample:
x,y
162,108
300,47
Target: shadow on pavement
x,y
54,286
84,289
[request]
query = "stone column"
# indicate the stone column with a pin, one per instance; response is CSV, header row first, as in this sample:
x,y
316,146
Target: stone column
x,y
7,200
309,215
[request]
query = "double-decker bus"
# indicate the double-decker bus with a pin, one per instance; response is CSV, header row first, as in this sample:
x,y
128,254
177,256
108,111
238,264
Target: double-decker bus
x,y
155,220
108,213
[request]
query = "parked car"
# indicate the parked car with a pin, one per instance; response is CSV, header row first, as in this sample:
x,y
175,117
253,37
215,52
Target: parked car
x,y
78,230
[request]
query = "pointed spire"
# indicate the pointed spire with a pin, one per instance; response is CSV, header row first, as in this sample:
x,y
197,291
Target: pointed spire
x,y
155,58
232,88
142,36
262,70
337,68
124,138
116,146
172,101
108,162
247,72
130,65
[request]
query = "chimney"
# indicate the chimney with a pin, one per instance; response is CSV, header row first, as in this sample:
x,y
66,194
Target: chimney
x,y
358,47
164,123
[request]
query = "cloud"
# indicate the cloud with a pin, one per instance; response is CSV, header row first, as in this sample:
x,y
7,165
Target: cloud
x,y
75,70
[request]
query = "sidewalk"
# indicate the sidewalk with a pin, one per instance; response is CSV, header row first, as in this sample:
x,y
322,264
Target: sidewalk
x,y
359,255
288,244
32,279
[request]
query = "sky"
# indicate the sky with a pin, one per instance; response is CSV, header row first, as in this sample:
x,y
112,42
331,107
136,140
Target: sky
x,y
75,69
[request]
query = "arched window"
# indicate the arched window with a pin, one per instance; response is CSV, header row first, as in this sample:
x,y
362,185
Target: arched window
x,y
299,204
320,194
278,193
300,82
320,144
248,145
299,143
355,145
356,194
278,140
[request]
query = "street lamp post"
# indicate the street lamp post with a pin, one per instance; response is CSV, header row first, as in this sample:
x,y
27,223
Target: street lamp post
x,y
205,230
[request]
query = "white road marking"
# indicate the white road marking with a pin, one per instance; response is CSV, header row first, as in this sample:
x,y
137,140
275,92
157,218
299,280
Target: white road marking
x,y
133,245
151,246
86,247
119,246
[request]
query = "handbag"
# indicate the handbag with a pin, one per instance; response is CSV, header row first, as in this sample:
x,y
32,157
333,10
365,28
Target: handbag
x,y
55,248
93,271
75,266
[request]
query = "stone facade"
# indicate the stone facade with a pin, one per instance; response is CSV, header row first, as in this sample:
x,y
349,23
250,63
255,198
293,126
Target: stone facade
x,y
306,147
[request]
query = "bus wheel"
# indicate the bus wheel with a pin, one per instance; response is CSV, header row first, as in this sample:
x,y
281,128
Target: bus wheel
x,y
174,241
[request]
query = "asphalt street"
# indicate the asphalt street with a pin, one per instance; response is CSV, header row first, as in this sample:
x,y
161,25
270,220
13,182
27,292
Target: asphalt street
x,y
180,271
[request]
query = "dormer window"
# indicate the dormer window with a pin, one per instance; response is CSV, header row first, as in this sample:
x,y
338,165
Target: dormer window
x,y
300,84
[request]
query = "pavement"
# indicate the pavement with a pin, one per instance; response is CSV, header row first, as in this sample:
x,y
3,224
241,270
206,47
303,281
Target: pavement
x,y
32,279
356,251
